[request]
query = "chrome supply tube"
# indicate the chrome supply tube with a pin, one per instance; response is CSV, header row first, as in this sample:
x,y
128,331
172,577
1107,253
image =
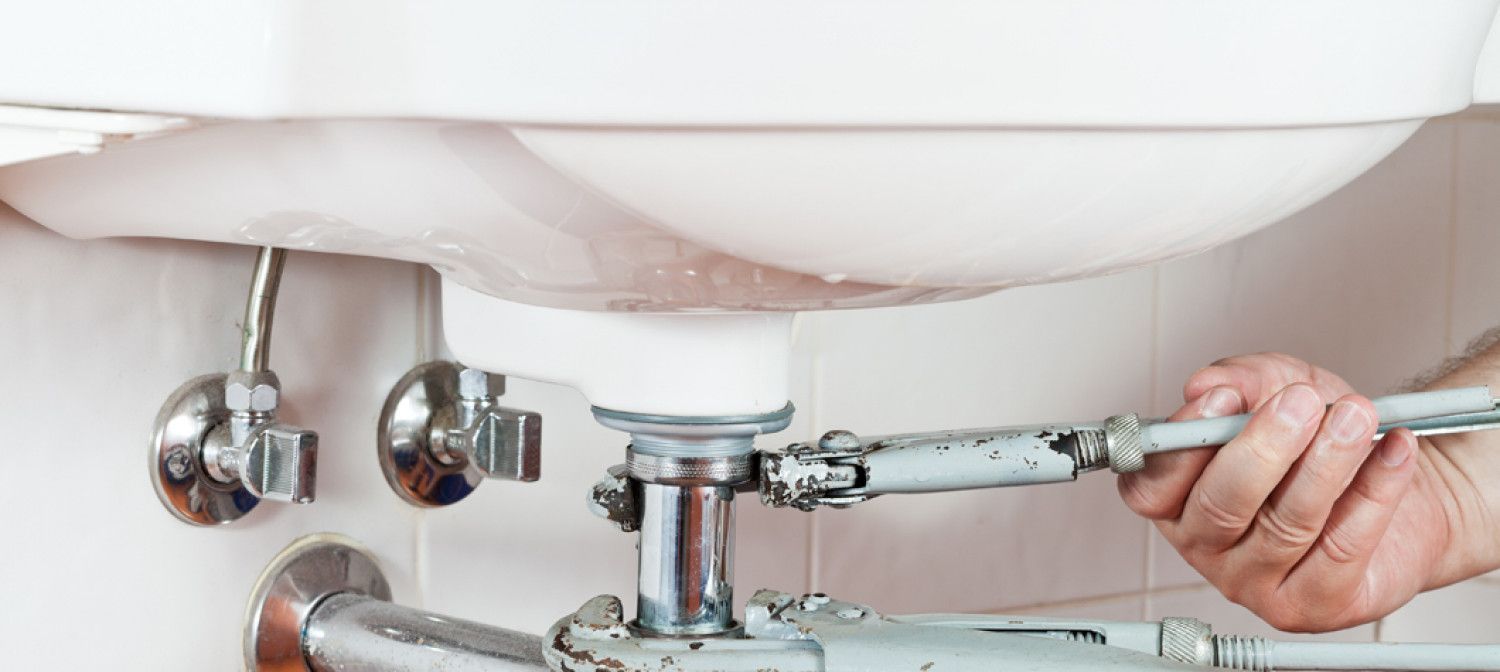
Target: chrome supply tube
x,y
255,342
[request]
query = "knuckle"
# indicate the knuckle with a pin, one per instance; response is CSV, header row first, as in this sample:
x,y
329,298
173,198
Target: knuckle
x,y
1217,515
1322,472
1368,493
1336,545
1268,451
1285,533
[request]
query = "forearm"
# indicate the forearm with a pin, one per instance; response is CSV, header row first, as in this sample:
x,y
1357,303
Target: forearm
x,y
1461,472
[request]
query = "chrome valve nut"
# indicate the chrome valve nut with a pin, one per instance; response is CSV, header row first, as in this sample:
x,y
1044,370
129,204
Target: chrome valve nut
x,y
476,385
251,391
280,464
261,398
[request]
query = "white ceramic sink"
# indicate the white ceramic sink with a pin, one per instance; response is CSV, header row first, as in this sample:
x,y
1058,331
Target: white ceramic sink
x,y
671,156
636,155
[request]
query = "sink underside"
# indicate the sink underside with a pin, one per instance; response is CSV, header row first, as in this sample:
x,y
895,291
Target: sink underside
x,y
695,219
672,156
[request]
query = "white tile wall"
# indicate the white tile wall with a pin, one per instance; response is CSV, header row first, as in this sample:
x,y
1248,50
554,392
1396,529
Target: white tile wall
x,y
94,574
1475,276
1062,352
1467,612
1377,282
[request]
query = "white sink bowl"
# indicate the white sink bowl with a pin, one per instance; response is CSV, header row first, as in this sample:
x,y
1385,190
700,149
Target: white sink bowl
x,y
690,156
733,159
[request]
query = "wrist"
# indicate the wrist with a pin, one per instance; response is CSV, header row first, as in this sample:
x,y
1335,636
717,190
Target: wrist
x,y
1452,489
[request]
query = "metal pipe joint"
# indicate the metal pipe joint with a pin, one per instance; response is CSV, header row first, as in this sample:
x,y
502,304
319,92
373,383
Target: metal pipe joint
x,y
677,489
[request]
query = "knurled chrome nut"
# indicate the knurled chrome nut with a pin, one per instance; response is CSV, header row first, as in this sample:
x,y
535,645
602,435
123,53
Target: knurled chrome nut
x,y
1186,640
690,471
257,399
1122,440
474,384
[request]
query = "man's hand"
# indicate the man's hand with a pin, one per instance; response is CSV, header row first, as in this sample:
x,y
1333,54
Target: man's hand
x,y
1300,518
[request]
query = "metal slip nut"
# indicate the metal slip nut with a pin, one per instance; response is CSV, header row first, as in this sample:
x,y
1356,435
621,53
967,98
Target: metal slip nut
x,y
692,471
1122,438
1187,640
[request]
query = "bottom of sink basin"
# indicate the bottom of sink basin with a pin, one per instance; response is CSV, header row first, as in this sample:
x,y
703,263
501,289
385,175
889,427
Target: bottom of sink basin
x,y
664,220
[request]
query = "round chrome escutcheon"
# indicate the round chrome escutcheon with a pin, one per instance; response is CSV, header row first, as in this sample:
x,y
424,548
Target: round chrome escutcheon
x,y
177,473
298,578
425,396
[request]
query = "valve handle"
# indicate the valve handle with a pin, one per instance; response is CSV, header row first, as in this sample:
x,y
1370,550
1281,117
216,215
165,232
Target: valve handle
x,y
281,464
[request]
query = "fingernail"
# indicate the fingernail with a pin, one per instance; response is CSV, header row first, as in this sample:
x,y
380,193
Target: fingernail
x,y
1394,451
1297,405
1348,421
1219,402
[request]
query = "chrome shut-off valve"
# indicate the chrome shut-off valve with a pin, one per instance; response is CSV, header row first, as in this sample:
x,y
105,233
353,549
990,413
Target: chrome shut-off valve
x,y
443,430
272,460
217,448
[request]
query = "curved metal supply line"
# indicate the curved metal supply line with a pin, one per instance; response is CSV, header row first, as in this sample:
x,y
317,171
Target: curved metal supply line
x,y
260,308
